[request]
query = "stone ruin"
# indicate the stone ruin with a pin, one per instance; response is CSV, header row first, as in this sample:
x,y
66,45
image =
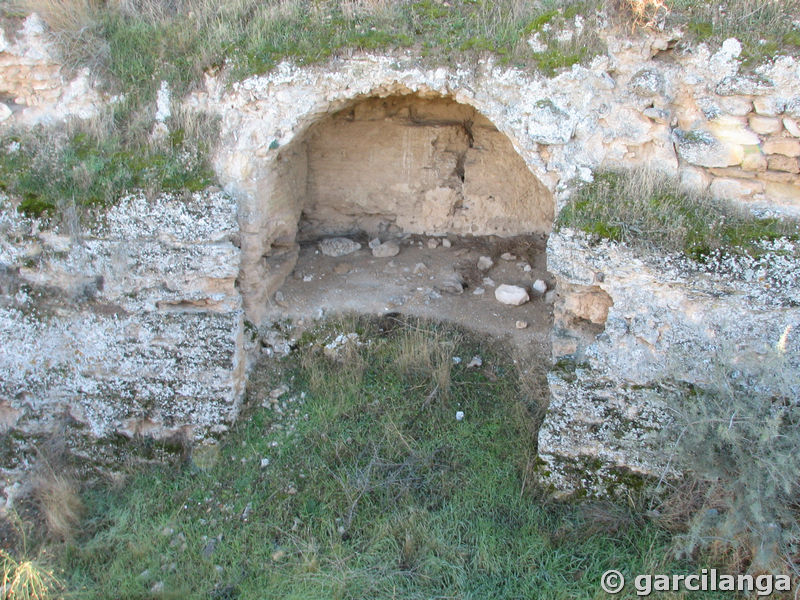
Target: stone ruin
x,y
139,326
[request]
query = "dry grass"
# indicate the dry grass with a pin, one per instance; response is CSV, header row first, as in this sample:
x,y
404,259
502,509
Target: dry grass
x,y
427,357
74,26
646,13
64,16
26,580
60,505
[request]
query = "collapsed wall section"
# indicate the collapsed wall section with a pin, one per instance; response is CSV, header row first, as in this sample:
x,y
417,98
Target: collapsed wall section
x,y
34,85
631,330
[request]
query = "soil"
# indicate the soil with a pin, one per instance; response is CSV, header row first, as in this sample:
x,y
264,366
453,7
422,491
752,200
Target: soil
x,y
322,286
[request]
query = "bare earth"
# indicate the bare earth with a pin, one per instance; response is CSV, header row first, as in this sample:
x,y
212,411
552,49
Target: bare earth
x,y
360,283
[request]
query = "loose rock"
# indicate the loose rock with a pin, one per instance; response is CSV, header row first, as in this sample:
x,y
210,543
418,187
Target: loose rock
x,y
521,324
511,294
338,246
476,361
386,249
485,263
452,284
539,286
279,391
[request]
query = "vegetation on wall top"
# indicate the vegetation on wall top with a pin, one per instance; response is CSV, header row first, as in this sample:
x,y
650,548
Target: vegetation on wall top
x,y
648,209
133,45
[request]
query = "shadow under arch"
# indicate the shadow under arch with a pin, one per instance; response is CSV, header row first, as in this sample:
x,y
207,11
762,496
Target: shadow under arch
x,y
391,162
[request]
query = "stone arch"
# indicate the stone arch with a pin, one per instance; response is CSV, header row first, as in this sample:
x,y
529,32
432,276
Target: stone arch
x,y
394,160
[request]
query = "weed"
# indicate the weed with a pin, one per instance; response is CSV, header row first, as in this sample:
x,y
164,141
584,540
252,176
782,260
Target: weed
x,y
648,209
737,436
26,579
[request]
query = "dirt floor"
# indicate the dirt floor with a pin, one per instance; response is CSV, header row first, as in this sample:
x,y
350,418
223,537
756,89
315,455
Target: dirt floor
x,y
423,281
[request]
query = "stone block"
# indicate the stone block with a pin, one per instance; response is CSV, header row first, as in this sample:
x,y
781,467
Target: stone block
x,y
733,130
785,146
792,126
735,189
779,177
783,192
778,162
765,125
754,161
769,106
704,150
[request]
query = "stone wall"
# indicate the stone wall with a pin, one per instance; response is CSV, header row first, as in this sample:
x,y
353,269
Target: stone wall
x,y
627,326
693,114
135,326
416,165
34,86
130,328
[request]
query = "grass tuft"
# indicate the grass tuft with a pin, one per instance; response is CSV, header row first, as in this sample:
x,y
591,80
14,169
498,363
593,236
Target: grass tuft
x,y
648,209
26,579
59,503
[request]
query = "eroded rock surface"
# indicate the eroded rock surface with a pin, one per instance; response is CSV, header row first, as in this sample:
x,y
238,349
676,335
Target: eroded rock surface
x,y
131,327
627,326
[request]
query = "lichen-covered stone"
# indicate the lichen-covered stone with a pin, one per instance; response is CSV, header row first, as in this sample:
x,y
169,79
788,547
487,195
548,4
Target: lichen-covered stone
x,y
647,82
703,149
666,317
132,327
745,85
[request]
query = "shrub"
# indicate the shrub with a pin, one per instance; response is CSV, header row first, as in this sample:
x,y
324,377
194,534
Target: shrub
x,y
737,435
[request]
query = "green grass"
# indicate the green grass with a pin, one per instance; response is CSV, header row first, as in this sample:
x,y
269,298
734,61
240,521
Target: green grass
x,y
137,49
50,169
134,50
373,490
765,29
649,210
